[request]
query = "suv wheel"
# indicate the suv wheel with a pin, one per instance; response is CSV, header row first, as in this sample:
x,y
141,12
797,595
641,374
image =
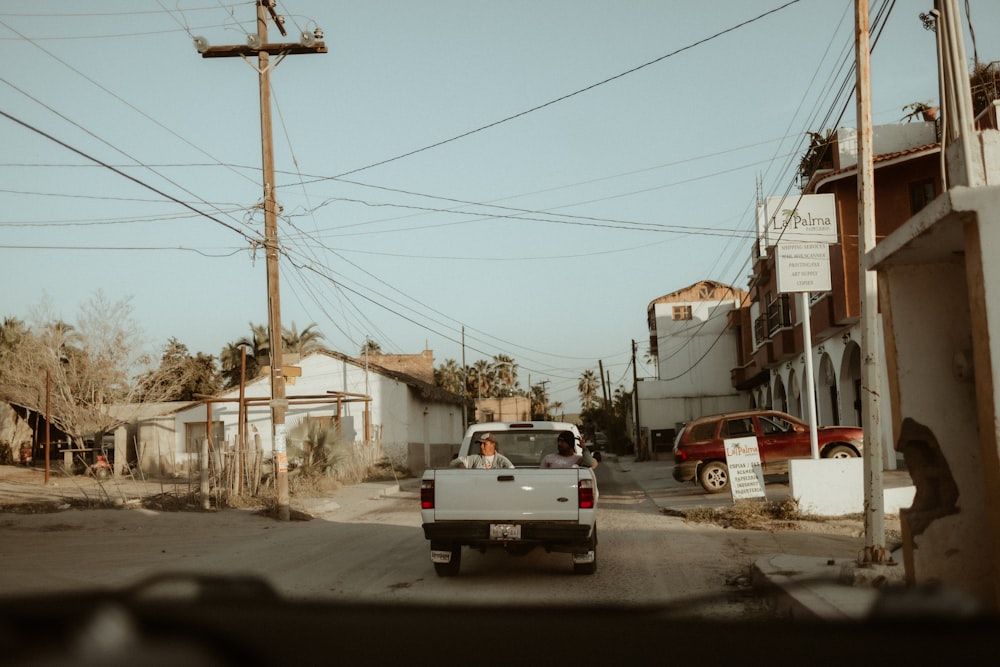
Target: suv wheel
x,y
714,476
841,452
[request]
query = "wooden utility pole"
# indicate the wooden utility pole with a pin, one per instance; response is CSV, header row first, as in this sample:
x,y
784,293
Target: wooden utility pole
x,y
874,551
258,44
635,399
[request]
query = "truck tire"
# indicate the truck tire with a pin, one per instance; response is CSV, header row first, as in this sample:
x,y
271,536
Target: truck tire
x,y
591,567
714,476
451,568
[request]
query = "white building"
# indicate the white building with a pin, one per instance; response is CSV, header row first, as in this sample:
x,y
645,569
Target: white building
x,y
385,414
694,350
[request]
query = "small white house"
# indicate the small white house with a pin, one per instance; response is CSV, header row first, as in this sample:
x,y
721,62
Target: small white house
x,y
386,414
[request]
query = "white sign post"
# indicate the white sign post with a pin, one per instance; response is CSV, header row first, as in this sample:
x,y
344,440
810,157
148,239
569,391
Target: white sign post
x,y
746,478
802,268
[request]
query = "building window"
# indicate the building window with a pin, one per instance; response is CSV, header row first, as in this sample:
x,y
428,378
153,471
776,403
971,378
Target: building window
x,y
682,313
921,194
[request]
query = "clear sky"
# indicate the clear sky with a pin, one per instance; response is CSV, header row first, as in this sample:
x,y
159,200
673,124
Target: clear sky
x,y
533,172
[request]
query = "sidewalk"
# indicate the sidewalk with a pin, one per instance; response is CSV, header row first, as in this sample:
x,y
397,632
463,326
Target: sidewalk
x,y
802,586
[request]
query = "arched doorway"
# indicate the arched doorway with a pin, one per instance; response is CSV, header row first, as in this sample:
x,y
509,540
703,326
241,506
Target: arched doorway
x,y
794,392
850,385
827,397
780,398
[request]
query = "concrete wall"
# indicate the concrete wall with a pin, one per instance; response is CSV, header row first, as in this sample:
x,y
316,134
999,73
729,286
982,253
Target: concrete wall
x,y
885,139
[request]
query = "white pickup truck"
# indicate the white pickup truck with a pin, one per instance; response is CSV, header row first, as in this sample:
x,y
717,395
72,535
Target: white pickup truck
x,y
516,509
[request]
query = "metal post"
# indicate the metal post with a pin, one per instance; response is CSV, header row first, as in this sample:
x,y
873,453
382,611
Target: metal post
x,y
48,417
205,449
868,287
810,375
465,386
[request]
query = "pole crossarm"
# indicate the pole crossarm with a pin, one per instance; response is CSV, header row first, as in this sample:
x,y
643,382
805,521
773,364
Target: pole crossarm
x,y
276,49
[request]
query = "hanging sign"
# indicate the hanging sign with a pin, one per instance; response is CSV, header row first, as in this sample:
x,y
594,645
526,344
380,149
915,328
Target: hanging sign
x,y
798,219
803,267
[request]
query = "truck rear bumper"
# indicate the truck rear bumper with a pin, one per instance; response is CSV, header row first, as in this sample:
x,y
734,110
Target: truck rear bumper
x,y
469,532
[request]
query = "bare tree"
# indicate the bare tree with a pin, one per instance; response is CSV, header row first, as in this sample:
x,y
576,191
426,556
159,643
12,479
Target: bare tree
x,y
92,366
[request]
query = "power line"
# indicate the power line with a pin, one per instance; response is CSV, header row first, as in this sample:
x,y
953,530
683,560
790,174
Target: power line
x,y
124,175
570,95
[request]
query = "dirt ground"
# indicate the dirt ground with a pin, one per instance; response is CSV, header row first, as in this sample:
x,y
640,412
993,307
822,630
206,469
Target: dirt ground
x,y
24,490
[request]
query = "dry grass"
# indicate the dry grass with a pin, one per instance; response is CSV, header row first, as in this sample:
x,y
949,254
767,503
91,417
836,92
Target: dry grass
x,y
755,515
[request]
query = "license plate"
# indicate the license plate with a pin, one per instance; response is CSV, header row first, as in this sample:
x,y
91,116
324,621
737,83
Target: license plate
x,y
505,531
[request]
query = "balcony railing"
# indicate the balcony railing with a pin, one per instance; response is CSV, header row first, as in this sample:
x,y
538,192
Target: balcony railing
x,y
777,315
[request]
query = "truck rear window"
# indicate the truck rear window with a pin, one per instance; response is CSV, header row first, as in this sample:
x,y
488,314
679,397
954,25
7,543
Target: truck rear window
x,y
524,449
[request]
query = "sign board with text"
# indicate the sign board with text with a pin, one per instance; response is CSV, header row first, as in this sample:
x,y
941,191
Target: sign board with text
x,y
798,219
746,477
803,267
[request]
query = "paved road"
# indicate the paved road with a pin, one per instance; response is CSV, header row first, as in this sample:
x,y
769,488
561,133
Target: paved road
x,y
366,543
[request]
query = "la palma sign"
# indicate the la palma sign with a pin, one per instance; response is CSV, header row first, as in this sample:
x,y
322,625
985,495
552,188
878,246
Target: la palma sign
x,y
798,219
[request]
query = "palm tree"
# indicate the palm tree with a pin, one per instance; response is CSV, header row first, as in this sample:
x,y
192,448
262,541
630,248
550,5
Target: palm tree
x,y
62,338
622,402
448,376
370,347
258,346
12,332
302,343
479,375
587,387
259,343
540,401
231,360
503,373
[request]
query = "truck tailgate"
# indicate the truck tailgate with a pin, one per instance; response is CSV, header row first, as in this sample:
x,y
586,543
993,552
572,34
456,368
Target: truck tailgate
x,y
519,494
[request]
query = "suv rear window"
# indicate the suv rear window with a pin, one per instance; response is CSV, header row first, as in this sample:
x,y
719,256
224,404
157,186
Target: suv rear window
x,y
703,431
739,428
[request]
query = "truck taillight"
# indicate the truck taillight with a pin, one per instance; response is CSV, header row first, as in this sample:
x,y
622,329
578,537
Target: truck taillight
x,y
427,494
585,491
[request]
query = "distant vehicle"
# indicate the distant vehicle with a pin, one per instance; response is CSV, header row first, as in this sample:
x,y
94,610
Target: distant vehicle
x,y
700,454
600,441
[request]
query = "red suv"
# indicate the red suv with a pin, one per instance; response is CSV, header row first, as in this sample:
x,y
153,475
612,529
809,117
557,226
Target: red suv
x,y
699,452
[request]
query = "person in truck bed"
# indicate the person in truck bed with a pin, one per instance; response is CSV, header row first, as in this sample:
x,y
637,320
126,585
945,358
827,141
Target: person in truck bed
x,y
567,457
487,458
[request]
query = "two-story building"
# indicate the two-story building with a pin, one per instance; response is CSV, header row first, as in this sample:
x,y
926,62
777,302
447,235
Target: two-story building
x,y
770,356
693,349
